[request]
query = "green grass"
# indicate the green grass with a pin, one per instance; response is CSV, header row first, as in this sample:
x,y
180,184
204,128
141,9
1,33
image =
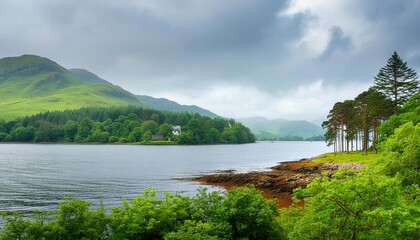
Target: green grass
x,y
30,84
74,97
352,157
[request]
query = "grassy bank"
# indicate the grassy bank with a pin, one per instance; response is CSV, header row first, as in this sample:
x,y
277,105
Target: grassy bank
x,y
352,157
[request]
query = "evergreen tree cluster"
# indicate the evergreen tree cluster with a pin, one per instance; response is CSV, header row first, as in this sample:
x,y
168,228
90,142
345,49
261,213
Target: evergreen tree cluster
x,y
123,125
353,124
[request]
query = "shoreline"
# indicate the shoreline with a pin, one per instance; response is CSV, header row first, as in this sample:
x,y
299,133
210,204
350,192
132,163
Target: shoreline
x,y
278,182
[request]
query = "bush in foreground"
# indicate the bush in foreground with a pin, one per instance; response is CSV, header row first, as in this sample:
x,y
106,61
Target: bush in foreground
x,y
242,213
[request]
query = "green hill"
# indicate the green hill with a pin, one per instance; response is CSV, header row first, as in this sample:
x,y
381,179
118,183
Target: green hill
x,y
280,128
164,104
31,84
87,76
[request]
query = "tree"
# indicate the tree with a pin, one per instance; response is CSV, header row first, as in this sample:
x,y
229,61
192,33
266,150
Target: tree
x,y
371,109
83,129
165,130
23,134
70,130
212,136
149,126
397,81
48,132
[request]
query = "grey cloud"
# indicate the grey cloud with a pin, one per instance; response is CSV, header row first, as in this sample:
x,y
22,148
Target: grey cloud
x,y
155,45
338,42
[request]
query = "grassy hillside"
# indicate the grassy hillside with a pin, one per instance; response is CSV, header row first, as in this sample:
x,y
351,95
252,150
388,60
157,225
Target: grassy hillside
x,y
87,76
164,104
278,128
31,84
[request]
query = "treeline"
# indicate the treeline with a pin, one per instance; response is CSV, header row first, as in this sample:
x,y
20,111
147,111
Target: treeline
x,y
353,124
123,125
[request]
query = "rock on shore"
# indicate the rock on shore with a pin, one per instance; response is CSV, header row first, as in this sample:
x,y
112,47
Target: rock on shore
x,y
279,182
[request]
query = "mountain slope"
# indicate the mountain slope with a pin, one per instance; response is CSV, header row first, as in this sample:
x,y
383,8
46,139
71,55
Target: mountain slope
x,y
161,104
164,104
280,127
30,84
87,76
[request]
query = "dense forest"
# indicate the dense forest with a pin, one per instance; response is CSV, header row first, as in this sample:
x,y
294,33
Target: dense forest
x,y
123,125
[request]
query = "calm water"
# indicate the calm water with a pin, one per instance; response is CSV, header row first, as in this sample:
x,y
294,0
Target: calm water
x,y
39,175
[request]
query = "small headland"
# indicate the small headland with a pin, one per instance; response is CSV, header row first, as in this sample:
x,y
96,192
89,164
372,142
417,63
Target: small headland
x,y
281,179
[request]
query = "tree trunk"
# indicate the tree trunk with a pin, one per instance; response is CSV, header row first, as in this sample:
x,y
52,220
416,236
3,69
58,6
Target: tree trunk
x,y
366,140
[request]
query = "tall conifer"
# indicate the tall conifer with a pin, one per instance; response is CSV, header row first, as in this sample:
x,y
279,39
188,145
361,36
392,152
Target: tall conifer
x,y
397,81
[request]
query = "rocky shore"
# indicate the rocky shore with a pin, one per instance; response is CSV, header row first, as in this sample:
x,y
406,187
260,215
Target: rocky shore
x,y
279,182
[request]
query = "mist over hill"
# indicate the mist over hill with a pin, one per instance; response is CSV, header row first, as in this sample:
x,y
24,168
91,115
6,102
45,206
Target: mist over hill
x,y
164,104
281,129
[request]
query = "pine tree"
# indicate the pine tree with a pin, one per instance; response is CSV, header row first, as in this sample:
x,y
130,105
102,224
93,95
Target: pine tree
x,y
397,81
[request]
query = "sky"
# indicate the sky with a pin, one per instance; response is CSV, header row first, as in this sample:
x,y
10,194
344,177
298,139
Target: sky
x,y
238,58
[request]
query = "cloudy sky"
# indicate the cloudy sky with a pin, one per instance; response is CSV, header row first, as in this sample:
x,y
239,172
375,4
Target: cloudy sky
x,y
238,58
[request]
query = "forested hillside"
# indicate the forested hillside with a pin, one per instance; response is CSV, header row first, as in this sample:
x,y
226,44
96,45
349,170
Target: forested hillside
x,y
123,124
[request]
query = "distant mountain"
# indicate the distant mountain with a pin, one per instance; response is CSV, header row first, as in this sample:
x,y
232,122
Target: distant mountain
x,y
318,121
280,128
164,104
31,84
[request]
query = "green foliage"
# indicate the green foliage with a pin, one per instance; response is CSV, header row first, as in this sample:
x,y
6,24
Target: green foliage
x,y
48,132
147,136
74,220
147,217
165,130
242,213
70,130
149,126
192,230
409,114
23,134
349,205
249,214
212,136
401,154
